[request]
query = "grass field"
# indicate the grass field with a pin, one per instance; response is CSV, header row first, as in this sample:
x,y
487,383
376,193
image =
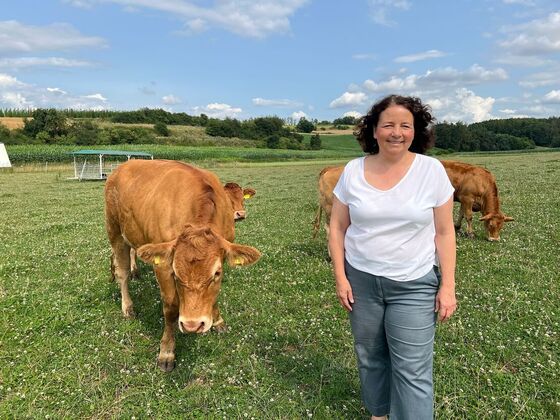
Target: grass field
x,y
66,351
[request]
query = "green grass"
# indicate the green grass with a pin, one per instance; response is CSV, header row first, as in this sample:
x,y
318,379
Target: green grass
x,y
66,351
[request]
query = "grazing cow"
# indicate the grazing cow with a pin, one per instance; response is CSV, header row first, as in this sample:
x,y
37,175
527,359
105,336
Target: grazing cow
x,y
236,196
475,189
186,233
328,177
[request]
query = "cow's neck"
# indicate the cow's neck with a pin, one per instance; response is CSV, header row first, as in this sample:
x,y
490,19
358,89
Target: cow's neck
x,y
490,201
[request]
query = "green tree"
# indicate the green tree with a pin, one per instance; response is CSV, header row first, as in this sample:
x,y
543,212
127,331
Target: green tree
x,y
50,121
305,126
315,142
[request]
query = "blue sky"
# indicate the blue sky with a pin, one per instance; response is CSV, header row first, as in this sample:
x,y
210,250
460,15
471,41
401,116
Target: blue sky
x,y
471,60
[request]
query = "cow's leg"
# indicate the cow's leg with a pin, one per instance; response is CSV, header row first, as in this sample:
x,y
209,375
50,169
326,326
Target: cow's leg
x,y
459,220
217,321
121,270
467,209
133,266
170,301
166,357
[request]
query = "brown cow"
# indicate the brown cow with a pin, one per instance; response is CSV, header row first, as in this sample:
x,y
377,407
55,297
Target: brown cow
x,y
475,189
185,233
237,197
328,177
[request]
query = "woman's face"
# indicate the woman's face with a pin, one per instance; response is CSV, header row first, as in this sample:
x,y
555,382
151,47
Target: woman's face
x,y
395,130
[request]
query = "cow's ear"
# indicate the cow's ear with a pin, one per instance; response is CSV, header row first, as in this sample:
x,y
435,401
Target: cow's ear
x,y
488,216
508,219
157,254
248,193
238,255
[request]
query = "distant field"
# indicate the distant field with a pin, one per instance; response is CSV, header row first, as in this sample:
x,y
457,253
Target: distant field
x,y
66,351
12,122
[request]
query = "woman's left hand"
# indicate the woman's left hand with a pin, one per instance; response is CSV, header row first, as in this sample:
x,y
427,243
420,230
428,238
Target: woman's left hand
x,y
446,303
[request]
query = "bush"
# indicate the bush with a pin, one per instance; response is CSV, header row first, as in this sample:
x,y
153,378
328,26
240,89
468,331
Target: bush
x,y
161,129
273,142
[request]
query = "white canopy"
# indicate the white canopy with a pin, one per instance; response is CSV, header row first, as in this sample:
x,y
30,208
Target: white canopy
x,y
4,159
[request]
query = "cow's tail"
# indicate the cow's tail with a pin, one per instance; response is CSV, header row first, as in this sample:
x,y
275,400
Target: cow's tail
x,y
317,221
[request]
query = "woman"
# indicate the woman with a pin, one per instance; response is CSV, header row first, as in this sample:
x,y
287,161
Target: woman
x,y
391,224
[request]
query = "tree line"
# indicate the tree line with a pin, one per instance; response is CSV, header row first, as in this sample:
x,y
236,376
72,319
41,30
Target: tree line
x,y
51,126
68,126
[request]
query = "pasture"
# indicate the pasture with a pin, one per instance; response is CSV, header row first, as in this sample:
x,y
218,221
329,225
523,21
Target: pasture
x,y
67,352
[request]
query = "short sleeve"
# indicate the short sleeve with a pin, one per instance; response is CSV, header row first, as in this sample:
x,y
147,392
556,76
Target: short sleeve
x,y
444,188
340,189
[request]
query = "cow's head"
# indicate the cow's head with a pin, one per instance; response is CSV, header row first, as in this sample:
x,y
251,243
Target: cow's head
x,y
194,261
237,196
494,223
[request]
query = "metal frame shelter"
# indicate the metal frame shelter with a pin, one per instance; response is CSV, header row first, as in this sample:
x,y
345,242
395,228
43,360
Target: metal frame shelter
x,y
98,164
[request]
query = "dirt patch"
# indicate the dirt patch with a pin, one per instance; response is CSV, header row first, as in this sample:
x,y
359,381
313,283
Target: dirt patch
x,y
12,122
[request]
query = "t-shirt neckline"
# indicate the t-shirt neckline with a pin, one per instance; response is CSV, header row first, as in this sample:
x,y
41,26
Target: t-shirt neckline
x,y
363,175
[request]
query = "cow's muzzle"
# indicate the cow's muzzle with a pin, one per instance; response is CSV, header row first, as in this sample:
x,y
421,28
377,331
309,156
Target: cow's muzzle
x,y
239,215
198,326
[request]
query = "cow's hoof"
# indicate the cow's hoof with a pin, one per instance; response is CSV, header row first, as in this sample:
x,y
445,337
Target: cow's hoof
x,y
470,235
167,365
135,274
129,313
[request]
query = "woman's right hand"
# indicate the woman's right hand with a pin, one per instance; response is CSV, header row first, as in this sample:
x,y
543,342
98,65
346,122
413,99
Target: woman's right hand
x,y
344,293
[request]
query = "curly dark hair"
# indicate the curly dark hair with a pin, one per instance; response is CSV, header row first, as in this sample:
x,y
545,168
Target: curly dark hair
x,y
423,124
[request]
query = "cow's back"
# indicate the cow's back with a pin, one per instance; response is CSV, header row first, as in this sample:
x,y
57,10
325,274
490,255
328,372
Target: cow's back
x,y
469,179
151,201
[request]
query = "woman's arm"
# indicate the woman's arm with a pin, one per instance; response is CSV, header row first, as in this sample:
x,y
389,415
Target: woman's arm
x,y
340,220
446,302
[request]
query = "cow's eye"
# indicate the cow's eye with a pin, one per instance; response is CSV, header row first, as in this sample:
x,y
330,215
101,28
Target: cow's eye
x,y
216,275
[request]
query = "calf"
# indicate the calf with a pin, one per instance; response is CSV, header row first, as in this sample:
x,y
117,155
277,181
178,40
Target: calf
x,y
185,233
476,190
328,177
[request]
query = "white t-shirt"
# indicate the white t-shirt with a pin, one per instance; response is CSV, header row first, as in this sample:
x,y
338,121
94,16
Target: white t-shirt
x,y
391,232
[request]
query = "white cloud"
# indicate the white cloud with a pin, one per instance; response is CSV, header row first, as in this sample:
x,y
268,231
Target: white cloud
x,y
170,100
473,108
218,110
249,18
544,78
7,81
349,99
552,97
363,56
15,100
276,102
354,114
96,97
420,56
522,2
508,111
298,115
534,38
380,10
17,37
438,78
24,62
57,91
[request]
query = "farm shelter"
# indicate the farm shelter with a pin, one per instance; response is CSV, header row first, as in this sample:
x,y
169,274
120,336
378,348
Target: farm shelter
x,y
98,164
4,158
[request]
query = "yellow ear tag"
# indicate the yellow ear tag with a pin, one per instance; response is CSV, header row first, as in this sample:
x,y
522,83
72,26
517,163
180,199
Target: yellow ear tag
x,y
157,260
238,261
246,196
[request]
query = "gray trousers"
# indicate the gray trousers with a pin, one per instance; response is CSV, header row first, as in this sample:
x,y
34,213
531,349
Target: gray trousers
x,y
393,324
